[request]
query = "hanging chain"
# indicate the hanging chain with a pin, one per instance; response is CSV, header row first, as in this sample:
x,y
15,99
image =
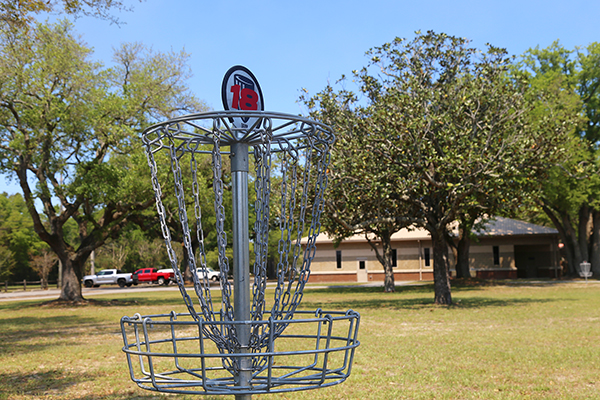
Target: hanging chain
x,y
204,285
163,222
320,171
262,187
301,174
218,190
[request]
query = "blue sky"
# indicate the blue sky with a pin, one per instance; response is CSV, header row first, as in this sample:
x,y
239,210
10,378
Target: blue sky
x,y
306,44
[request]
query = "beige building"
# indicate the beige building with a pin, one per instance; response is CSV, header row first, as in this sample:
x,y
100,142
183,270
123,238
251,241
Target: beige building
x,y
507,248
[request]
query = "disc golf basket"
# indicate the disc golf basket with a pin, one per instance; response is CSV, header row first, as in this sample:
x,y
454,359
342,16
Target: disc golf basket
x,y
585,270
240,341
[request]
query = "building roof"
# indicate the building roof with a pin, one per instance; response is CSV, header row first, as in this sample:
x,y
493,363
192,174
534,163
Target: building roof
x,y
499,226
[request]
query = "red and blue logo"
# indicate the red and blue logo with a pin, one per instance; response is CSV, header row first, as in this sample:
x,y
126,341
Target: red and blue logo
x,y
241,91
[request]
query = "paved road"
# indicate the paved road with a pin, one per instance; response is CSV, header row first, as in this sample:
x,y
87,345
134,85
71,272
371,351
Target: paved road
x,y
54,293
89,292
104,290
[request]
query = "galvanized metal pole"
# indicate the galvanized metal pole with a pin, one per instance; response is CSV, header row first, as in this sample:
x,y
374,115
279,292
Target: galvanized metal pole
x,y
241,259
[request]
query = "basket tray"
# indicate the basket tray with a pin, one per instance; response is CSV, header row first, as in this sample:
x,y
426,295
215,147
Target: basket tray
x,y
172,353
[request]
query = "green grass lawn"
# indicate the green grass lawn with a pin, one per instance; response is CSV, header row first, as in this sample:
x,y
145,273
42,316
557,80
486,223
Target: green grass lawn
x,y
503,341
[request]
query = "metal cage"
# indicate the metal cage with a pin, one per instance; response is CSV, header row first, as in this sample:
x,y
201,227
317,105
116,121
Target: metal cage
x,y
240,342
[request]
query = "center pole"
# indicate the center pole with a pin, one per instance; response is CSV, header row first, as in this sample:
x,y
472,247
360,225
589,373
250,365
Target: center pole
x,y
241,262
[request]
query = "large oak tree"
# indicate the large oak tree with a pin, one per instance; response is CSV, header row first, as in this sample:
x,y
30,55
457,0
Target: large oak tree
x,y
68,135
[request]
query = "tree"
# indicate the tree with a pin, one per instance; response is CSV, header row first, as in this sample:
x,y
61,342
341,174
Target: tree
x,y
18,14
70,126
7,263
113,254
361,191
17,238
42,263
570,198
450,126
552,110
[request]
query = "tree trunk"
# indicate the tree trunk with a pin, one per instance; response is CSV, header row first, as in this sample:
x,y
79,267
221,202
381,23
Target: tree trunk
x,y
71,271
595,247
385,258
556,221
462,252
185,267
71,282
562,222
441,278
389,284
573,241
584,231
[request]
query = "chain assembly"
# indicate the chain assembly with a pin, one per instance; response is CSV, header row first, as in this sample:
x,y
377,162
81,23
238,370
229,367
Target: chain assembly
x,y
278,185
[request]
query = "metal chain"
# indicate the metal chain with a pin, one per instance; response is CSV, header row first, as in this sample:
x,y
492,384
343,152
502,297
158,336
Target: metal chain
x,y
202,283
163,223
302,174
226,308
288,188
286,303
322,163
212,331
262,187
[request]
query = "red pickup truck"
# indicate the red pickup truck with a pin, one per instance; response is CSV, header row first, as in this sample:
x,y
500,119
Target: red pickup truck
x,y
152,275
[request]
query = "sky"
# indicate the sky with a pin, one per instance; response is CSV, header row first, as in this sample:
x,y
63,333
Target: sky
x,y
291,46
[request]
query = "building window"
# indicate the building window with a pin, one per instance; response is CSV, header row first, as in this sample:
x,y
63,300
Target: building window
x,y
362,264
394,258
338,258
427,256
496,251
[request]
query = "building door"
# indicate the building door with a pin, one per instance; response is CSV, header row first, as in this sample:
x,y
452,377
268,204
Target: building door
x,y
525,261
535,261
362,275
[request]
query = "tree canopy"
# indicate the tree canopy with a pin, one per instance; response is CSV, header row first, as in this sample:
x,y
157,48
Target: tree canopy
x,y
68,130
19,14
18,241
570,198
445,127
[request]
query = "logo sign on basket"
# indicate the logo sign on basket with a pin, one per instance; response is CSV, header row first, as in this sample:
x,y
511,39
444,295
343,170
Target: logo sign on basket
x,y
241,91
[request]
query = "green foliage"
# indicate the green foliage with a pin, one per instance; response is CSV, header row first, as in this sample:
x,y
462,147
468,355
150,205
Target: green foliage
x,y
70,125
570,79
17,239
441,129
19,14
454,124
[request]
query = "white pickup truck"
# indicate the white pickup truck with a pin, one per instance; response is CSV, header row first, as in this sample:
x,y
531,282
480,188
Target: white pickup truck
x,y
108,277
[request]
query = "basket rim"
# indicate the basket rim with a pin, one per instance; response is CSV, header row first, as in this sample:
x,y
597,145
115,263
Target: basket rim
x,y
233,114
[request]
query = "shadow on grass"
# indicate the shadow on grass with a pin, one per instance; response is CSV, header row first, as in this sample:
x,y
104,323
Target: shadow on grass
x,y
29,334
54,384
420,303
355,297
410,297
478,283
352,290
58,304
39,384
139,395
